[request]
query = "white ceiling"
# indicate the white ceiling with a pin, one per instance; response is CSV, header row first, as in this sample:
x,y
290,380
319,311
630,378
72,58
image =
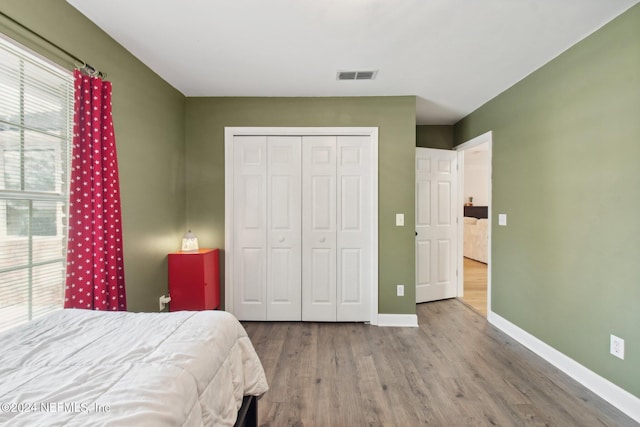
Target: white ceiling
x,y
453,55
477,155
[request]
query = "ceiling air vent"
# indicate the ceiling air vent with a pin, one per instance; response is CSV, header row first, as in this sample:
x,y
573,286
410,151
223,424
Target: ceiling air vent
x,y
357,75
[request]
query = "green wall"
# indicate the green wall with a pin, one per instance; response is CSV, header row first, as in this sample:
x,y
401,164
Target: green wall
x,y
206,119
148,116
566,144
434,136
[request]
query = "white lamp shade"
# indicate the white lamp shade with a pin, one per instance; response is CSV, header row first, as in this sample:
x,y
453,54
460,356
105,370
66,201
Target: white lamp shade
x,y
189,242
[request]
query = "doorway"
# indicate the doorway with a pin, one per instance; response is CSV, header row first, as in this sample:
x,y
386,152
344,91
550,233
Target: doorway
x,y
281,264
474,159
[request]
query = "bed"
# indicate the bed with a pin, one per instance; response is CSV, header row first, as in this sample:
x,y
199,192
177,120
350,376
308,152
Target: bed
x,y
80,367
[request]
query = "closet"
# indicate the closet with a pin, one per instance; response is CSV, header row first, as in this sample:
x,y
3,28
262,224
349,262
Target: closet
x,y
300,227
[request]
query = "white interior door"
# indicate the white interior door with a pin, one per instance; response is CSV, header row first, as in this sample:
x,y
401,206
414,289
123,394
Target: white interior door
x,y
336,230
267,236
284,239
436,226
301,223
250,228
353,203
319,228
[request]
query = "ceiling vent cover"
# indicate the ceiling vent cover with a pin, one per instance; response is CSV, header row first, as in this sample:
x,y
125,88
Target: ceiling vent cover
x,y
357,75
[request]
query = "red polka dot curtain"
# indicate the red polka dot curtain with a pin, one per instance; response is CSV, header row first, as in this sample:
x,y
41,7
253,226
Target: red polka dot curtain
x,y
95,265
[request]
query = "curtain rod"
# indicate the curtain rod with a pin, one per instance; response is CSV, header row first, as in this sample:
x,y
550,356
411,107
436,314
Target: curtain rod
x,y
84,67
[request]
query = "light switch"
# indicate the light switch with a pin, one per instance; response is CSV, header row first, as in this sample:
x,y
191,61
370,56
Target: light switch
x,y
502,219
400,220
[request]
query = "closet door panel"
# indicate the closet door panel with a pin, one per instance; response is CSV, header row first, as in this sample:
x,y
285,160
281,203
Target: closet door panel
x,y
284,281
322,282
250,245
353,238
319,228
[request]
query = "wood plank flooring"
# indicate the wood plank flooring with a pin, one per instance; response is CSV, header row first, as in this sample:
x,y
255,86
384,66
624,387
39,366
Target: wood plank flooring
x,y
454,370
475,285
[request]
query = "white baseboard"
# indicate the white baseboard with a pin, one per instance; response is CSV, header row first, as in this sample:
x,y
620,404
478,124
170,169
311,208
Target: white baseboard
x,y
398,320
616,396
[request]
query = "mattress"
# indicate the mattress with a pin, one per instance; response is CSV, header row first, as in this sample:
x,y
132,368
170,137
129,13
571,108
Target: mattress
x,y
80,367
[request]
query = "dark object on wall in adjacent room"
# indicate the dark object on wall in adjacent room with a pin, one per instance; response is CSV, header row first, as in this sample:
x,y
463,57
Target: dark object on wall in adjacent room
x,y
476,211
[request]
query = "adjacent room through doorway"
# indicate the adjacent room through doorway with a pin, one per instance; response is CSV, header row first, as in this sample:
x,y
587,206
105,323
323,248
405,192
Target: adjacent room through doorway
x,y
475,187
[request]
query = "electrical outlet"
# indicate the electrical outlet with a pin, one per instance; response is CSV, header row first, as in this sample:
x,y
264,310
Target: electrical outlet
x,y
400,290
617,347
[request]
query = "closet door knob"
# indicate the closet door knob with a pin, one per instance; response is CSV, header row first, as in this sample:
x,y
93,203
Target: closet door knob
x,y
281,239
322,239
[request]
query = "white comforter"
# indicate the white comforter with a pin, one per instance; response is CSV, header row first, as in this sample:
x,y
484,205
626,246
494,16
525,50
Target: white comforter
x,y
88,368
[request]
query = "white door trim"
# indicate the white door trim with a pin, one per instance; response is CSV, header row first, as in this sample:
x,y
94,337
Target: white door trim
x,y
481,139
231,132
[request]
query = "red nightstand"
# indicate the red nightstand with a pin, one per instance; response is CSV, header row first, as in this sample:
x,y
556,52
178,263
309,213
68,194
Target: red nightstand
x,y
194,280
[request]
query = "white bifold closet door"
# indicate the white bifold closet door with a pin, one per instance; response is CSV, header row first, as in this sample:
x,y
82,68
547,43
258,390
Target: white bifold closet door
x,y
267,213
336,228
302,228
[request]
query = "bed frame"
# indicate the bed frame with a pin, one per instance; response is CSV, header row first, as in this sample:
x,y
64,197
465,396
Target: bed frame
x,y
248,413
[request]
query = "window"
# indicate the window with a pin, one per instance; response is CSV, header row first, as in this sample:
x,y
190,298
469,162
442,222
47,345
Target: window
x,y
36,113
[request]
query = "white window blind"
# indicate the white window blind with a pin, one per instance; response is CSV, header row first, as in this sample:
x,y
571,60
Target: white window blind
x,y
36,115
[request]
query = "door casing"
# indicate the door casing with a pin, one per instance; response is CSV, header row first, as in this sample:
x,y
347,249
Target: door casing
x,y
488,138
232,132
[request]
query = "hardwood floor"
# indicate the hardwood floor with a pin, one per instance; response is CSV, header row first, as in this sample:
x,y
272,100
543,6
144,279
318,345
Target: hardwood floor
x,y
475,285
454,370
